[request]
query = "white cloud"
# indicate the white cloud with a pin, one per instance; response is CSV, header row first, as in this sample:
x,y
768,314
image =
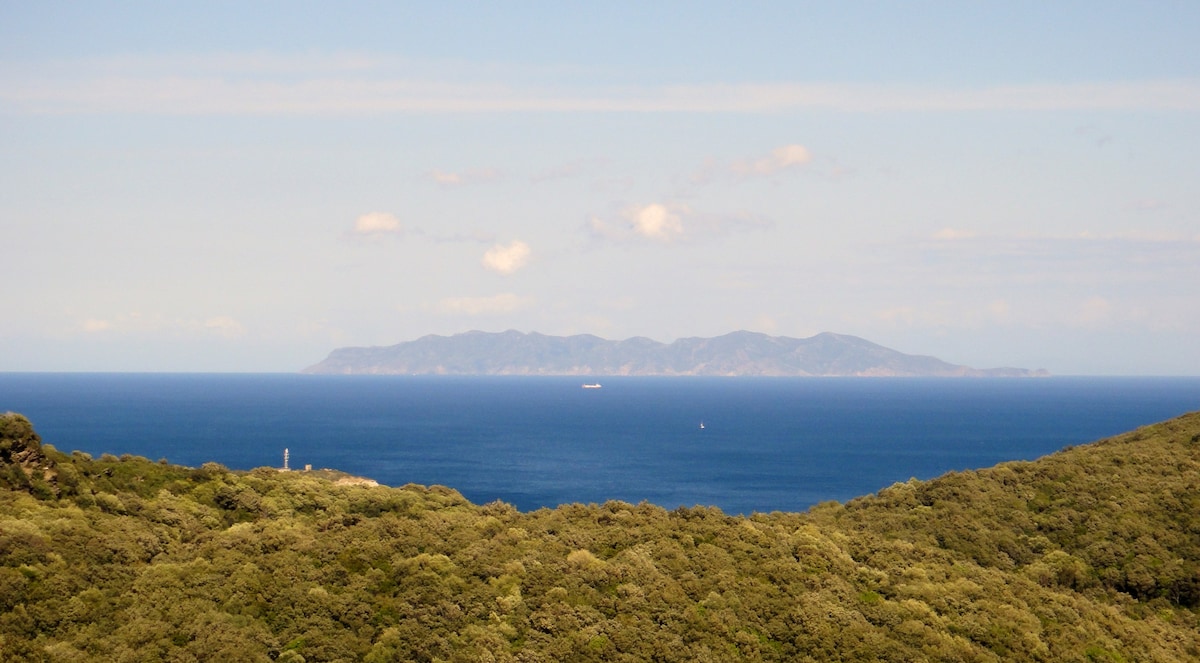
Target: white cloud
x,y
566,170
781,158
341,84
999,309
448,179
671,222
790,155
475,176
947,313
495,305
138,323
223,325
507,259
899,315
602,229
1148,205
953,234
657,221
377,223
1093,312
766,324
625,303
1123,241
93,325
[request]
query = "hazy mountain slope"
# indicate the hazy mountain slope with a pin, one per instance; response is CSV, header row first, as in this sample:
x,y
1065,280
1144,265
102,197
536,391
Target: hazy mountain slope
x,y
737,353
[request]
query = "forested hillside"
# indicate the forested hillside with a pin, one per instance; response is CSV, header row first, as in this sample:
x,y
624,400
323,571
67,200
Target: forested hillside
x,y
1092,554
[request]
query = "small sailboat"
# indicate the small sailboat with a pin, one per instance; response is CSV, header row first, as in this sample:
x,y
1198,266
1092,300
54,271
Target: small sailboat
x,y
701,425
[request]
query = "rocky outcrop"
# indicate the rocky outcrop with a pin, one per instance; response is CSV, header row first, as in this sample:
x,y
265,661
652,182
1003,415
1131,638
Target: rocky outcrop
x,y
23,462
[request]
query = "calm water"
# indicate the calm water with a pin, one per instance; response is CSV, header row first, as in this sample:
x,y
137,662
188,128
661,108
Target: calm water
x,y
767,444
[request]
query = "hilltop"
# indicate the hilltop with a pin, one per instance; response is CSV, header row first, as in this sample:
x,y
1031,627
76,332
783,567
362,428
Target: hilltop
x,y
739,353
1089,554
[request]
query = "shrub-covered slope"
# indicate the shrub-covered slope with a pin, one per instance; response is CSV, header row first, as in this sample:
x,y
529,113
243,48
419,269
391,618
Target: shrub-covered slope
x,y
1091,554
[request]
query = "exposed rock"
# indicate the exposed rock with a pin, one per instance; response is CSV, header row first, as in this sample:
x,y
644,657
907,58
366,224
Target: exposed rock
x,y
23,463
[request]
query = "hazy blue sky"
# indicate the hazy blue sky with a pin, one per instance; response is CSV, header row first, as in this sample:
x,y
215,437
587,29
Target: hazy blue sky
x,y
244,186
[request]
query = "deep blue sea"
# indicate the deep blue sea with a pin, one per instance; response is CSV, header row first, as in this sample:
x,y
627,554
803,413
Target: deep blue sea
x,y
767,443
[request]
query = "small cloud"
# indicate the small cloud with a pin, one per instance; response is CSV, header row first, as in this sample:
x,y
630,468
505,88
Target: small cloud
x,y
656,221
706,173
595,324
834,170
766,324
495,305
93,325
448,179
899,315
953,234
778,160
602,229
669,222
1148,205
557,173
723,224
507,259
1093,311
223,325
377,223
619,303
475,176
999,309
788,156
947,314
565,171
781,158
614,185
137,323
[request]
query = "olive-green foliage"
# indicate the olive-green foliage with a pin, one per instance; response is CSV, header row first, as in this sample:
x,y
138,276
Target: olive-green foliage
x,y
1092,554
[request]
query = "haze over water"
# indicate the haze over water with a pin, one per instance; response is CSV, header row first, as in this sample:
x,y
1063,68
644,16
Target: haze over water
x,y
767,444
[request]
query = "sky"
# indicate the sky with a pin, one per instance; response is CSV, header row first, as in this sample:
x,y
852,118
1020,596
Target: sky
x,y
245,186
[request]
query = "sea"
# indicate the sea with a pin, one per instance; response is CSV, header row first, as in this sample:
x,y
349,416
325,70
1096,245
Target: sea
x,y
743,445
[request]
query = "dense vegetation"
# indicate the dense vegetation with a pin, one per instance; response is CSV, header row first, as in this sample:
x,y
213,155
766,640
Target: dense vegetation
x,y
1092,554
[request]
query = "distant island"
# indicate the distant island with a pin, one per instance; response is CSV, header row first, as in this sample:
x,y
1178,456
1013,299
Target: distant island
x,y
739,353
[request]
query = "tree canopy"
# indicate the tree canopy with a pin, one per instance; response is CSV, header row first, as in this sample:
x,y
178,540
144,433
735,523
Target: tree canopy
x,y
1090,554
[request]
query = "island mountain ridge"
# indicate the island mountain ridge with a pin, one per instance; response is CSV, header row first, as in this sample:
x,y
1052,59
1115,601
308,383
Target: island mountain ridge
x,y
739,353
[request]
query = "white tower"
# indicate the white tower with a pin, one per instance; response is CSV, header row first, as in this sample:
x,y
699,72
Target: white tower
x,y
285,460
